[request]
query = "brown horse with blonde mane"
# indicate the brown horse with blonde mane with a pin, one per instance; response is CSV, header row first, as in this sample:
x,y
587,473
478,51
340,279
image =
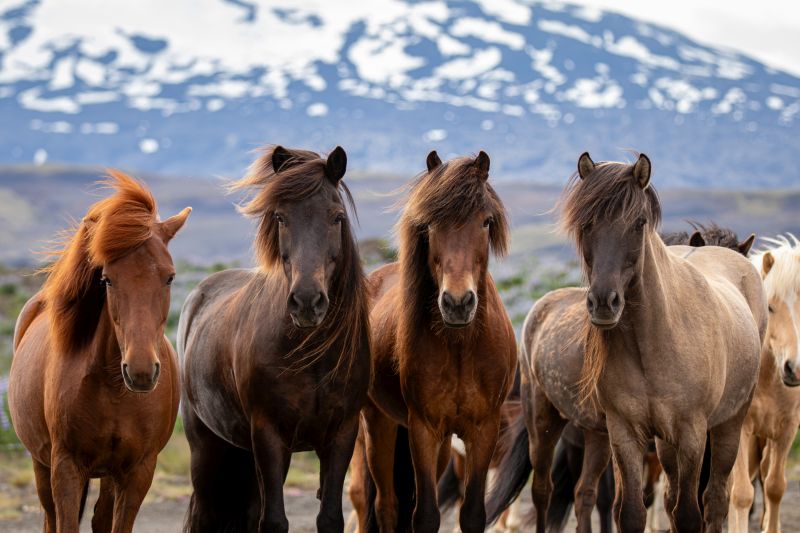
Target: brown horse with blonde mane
x,y
89,352
673,342
276,359
443,345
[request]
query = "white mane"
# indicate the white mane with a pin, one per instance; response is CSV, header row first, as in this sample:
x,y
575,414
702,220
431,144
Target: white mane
x,y
783,280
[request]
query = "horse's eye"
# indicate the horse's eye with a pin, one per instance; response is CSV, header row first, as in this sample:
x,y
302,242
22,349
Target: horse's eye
x,y
170,279
641,222
339,218
279,219
488,222
771,310
105,281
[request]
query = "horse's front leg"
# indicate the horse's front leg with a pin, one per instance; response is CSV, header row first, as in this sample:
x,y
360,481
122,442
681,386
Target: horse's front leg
x,y
596,455
272,458
67,480
480,444
334,460
628,449
775,480
742,492
425,446
129,492
690,448
380,436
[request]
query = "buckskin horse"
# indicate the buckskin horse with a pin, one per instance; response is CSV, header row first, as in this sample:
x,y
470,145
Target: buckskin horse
x,y
673,343
94,384
443,345
276,359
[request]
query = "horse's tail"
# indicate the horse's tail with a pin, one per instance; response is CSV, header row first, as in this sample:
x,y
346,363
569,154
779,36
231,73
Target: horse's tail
x,y
449,487
563,495
404,487
512,473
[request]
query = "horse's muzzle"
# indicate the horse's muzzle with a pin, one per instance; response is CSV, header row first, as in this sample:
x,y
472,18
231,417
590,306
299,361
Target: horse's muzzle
x,y
141,381
458,312
307,308
789,375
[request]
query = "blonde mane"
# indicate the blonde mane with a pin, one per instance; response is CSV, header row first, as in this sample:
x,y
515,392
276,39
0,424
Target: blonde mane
x,y
783,279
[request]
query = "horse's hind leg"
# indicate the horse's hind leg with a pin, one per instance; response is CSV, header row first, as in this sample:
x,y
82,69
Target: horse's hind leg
x,y
725,452
357,488
596,454
334,460
544,427
42,475
222,480
103,517
775,480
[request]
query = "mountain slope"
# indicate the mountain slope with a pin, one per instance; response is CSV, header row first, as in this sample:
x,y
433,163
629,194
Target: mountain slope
x,y
190,86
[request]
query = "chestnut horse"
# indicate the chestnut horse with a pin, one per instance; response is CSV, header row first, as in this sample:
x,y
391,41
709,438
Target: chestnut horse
x,y
276,359
681,358
443,345
774,415
89,352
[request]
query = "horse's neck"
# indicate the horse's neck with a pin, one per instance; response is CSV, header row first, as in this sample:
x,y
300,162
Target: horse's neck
x,y
647,305
103,352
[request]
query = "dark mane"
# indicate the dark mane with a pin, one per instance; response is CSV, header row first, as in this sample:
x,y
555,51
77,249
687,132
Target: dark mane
x,y
713,235
111,228
450,195
346,319
610,192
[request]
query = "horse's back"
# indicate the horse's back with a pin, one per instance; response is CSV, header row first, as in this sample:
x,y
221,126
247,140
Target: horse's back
x,y
32,309
552,351
383,279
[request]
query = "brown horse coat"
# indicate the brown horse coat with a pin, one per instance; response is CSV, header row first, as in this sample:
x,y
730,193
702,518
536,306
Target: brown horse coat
x,y
102,311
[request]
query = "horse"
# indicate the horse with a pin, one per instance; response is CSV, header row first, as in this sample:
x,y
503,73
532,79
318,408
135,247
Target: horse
x,y
443,344
94,385
673,342
710,234
774,414
276,359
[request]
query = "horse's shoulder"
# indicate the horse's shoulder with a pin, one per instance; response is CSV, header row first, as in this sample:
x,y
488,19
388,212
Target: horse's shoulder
x,y
383,278
32,309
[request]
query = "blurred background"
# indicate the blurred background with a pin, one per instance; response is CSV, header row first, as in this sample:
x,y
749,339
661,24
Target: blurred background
x,y
183,93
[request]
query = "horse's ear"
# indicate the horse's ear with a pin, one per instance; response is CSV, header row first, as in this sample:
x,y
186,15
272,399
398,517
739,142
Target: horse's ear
x,y
482,164
767,260
697,240
433,161
585,165
280,157
641,171
745,245
174,223
336,165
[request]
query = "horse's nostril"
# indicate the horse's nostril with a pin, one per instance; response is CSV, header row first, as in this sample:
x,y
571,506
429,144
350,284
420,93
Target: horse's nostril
x,y
787,368
469,299
591,302
157,371
613,300
447,300
317,300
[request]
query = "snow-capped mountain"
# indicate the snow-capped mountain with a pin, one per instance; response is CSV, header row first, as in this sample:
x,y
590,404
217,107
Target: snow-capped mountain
x,y
192,86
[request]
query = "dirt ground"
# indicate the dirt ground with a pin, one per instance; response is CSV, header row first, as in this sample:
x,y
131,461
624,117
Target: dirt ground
x,y
166,516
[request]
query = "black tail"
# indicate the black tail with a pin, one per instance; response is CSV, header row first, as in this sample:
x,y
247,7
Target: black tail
x,y
450,488
512,474
564,482
404,486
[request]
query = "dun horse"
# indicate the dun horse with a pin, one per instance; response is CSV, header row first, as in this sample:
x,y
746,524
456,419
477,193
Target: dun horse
x,y
443,345
276,359
94,383
774,414
673,343
552,357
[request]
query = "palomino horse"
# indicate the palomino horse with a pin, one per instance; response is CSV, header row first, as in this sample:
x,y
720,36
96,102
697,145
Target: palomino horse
x,y
443,345
89,350
680,359
774,414
276,359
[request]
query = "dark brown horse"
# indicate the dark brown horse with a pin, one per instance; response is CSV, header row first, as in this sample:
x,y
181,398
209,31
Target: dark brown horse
x,y
276,359
89,352
655,367
443,345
